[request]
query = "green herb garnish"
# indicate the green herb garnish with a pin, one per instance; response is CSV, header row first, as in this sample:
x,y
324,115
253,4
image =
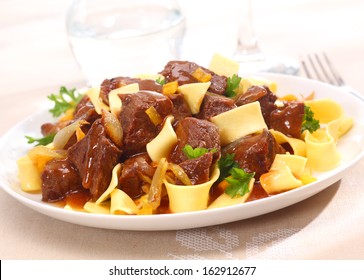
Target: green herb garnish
x,y
41,141
309,122
226,163
161,80
236,177
232,85
192,153
66,99
238,182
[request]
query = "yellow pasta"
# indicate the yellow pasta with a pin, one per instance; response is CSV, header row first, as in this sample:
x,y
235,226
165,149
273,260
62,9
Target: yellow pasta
x,y
122,204
194,94
322,153
325,110
226,200
29,175
92,207
113,183
239,122
223,66
162,144
190,198
295,163
298,146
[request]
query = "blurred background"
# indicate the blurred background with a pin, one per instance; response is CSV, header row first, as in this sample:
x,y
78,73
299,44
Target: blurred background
x,y
34,50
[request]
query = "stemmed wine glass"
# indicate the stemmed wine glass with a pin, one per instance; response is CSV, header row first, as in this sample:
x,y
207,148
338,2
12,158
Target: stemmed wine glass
x,y
248,52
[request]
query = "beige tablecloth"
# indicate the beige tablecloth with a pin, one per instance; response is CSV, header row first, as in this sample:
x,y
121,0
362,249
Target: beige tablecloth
x,y
35,60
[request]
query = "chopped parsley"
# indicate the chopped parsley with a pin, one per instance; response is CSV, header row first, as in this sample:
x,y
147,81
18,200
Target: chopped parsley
x,y
41,141
64,100
192,153
232,85
309,122
238,182
161,80
237,179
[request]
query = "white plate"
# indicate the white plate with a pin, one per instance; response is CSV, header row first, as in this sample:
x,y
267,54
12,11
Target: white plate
x,y
13,145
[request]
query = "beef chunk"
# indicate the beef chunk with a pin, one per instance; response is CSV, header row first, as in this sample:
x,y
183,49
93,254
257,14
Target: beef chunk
x,y
214,104
288,119
138,129
198,169
265,97
53,128
94,157
109,85
180,107
181,71
59,178
85,110
197,133
254,153
134,169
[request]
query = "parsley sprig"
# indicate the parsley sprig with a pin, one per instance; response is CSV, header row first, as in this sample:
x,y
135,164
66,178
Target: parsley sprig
x,y
161,80
309,122
192,153
41,141
238,180
64,100
232,85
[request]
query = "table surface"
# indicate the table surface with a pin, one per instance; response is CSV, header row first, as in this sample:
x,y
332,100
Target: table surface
x,y
35,60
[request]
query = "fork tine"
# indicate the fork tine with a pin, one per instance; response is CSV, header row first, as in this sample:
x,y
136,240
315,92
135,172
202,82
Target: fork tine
x,y
334,73
313,66
323,70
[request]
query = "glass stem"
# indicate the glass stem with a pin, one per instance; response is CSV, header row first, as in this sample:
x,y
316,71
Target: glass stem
x,y
247,45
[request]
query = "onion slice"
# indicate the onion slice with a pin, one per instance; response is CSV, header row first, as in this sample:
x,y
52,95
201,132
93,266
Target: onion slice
x,y
113,127
155,191
63,136
179,173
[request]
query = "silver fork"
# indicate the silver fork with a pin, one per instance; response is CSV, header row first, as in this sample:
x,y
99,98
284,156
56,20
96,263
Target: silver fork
x,y
319,67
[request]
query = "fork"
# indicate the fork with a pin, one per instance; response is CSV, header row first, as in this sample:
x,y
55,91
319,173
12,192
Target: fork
x,y
323,70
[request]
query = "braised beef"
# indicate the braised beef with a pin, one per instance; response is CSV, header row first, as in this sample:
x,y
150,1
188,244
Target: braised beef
x,y
214,104
288,119
134,173
180,107
254,153
94,157
111,84
265,97
59,178
181,71
138,129
197,133
198,169
53,128
85,110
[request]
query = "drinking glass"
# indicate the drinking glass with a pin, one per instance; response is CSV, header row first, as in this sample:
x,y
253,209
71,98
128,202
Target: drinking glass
x,y
248,52
123,38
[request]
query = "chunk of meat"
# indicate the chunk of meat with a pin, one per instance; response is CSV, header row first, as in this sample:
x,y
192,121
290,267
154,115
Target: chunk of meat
x,y
181,71
94,157
288,119
85,110
59,178
264,96
254,153
197,133
180,107
138,129
114,83
134,174
198,169
214,104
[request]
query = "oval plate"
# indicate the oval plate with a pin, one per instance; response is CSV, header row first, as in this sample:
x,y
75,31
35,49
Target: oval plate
x,y
13,145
